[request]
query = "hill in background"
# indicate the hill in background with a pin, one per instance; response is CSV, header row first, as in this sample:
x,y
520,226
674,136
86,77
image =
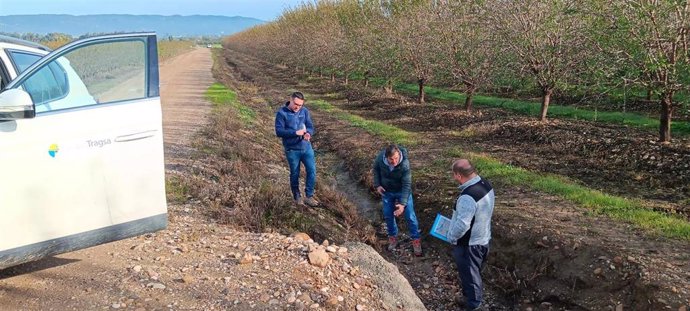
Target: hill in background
x,y
175,25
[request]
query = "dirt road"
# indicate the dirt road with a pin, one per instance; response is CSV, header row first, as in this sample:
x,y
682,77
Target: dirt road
x,y
184,80
97,277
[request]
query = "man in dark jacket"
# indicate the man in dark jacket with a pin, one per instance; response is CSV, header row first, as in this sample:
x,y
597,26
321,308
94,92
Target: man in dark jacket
x,y
293,124
393,181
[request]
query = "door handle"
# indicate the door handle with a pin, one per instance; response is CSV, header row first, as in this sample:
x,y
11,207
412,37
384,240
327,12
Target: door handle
x,y
135,136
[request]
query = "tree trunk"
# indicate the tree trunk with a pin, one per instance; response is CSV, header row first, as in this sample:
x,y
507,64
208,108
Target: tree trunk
x,y
347,78
389,87
665,117
333,77
649,94
545,103
366,79
468,100
320,72
421,90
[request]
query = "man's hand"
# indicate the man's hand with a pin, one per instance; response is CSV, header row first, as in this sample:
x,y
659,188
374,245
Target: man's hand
x,y
307,136
380,190
300,132
399,209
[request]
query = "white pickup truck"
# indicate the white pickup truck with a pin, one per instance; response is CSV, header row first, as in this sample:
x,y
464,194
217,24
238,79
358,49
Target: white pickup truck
x,y
81,145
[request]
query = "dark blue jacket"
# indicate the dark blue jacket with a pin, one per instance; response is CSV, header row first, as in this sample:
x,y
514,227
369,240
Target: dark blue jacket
x,y
397,180
288,122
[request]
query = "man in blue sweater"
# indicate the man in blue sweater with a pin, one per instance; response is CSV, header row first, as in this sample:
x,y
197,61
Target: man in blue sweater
x,y
393,181
293,124
470,230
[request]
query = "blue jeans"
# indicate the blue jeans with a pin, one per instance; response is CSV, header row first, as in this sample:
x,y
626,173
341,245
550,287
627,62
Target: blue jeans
x,y
470,260
389,200
294,158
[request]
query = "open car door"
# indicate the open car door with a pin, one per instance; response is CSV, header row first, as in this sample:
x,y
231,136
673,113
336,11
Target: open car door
x,y
81,149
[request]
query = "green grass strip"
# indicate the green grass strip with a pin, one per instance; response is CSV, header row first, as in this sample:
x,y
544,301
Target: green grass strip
x,y
388,132
221,96
534,109
619,208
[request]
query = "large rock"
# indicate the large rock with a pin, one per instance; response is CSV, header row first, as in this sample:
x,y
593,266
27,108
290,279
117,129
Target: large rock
x,y
393,287
319,258
300,236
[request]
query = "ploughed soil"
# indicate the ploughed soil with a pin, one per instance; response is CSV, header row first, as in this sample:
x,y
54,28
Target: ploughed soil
x,y
547,253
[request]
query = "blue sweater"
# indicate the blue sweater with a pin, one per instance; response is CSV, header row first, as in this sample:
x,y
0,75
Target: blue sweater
x,y
288,122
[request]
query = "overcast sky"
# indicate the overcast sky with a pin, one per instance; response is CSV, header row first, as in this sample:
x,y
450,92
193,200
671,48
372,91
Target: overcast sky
x,y
261,9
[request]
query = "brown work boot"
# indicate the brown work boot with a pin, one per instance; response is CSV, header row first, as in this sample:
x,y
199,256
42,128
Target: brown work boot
x,y
417,247
392,243
311,202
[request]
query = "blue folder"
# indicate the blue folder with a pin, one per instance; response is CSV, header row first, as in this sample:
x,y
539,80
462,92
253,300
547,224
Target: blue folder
x,y
440,227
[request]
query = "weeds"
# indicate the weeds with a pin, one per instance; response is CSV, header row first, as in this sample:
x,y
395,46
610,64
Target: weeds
x,y
242,177
176,189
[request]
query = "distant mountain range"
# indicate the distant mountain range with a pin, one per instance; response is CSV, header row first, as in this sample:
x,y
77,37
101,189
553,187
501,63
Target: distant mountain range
x,y
164,26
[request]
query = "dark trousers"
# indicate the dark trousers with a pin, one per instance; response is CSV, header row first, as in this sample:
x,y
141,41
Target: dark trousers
x,y
469,260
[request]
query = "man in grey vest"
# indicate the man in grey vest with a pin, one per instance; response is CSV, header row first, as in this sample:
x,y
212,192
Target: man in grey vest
x,y
470,230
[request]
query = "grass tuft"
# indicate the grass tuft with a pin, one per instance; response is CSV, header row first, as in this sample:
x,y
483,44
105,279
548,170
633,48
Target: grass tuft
x,y
176,189
221,96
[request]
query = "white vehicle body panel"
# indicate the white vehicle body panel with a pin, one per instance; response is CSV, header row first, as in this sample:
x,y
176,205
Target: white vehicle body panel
x,y
83,171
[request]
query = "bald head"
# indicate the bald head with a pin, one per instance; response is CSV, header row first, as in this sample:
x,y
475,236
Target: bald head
x,y
464,168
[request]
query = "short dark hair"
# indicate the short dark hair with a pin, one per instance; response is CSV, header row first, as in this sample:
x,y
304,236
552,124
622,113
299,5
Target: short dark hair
x,y
463,170
391,149
297,95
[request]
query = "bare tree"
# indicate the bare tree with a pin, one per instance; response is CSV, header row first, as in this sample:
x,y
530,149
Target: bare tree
x,y
414,32
358,19
549,38
468,50
653,37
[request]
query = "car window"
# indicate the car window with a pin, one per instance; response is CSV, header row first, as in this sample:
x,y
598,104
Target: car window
x,y
47,84
112,71
93,74
4,77
23,60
